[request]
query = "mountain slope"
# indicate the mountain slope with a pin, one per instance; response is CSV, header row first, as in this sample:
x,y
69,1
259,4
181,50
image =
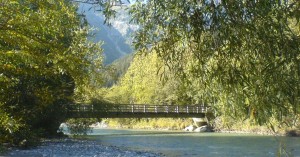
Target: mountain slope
x,y
116,38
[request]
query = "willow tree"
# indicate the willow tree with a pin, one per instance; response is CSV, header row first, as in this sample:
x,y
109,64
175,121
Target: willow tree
x,y
44,57
244,54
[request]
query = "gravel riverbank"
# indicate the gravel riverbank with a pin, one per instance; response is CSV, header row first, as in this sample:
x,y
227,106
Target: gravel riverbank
x,y
76,148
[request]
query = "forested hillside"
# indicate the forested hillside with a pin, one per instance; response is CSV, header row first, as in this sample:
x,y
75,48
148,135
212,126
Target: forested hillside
x,y
117,69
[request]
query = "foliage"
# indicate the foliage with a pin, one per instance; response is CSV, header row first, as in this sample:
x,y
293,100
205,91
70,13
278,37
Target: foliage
x,y
117,69
151,123
142,84
240,57
44,58
8,125
243,55
105,6
80,126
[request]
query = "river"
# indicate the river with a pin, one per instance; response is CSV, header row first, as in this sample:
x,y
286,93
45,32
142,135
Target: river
x,y
177,144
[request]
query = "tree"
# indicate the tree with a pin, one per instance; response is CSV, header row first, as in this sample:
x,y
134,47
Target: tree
x,y
140,84
149,81
244,54
44,58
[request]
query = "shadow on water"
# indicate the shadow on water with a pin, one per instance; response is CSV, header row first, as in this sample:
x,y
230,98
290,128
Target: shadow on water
x,y
128,132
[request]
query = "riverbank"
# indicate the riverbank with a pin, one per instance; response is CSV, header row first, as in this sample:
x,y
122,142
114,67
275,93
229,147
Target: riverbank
x,y
76,148
185,123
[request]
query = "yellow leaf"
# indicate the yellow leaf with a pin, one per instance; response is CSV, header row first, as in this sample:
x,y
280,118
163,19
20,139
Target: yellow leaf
x,y
247,102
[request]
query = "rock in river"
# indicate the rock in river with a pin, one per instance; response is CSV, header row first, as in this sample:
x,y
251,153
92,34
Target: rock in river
x,y
202,129
190,128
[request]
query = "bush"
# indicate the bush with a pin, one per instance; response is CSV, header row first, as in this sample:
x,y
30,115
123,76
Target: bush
x,y
151,123
25,138
80,126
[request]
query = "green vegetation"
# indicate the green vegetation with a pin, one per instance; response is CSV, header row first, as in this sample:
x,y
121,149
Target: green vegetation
x,y
143,84
117,69
150,123
146,82
79,126
240,57
45,59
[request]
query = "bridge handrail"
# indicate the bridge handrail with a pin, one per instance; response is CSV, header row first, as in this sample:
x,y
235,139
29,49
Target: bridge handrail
x,y
140,108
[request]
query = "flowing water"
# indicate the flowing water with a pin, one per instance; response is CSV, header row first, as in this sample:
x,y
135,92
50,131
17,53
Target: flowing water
x,y
175,144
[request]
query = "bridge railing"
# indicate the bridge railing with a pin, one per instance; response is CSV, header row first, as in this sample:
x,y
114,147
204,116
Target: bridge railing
x,y
139,108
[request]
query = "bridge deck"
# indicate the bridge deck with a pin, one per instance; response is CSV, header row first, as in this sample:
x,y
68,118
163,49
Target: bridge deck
x,y
136,111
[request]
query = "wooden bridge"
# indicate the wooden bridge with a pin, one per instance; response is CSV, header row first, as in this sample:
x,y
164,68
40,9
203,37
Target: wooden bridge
x,y
136,111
